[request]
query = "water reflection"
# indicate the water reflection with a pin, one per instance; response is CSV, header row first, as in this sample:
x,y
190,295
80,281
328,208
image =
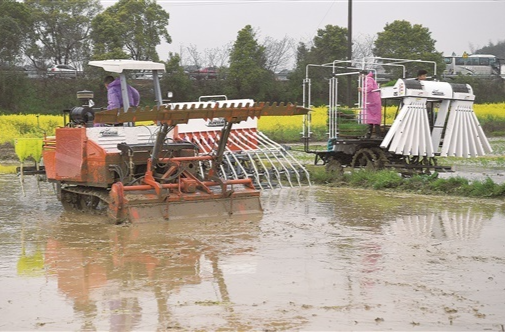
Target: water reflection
x,y
454,225
115,269
31,261
388,245
380,212
317,259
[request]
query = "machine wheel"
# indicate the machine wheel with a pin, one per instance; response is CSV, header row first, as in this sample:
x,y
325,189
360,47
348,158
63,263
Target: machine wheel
x,y
364,158
382,159
69,200
88,202
420,165
430,163
334,166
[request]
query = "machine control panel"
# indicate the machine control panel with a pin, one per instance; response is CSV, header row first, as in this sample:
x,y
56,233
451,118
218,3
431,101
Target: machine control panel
x,y
427,89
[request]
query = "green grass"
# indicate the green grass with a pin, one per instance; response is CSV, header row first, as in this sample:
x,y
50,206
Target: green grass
x,y
419,184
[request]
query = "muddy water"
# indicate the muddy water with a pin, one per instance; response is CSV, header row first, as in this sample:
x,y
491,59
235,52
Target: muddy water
x,y
316,259
477,173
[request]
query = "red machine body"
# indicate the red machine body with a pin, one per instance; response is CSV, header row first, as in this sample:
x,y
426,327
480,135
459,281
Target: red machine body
x,y
145,172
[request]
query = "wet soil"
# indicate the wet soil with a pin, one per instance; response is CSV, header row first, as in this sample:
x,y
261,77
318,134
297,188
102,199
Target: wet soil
x,y
472,172
316,259
7,154
477,172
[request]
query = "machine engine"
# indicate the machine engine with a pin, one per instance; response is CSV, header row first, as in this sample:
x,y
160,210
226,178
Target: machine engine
x,y
82,116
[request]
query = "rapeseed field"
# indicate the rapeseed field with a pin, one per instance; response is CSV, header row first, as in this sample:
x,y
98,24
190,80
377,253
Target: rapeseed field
x,y
279,128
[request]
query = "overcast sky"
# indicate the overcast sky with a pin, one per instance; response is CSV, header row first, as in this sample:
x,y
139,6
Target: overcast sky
x,y
457,26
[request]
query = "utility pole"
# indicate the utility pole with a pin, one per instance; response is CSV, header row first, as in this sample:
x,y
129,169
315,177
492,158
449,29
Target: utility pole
x,y
349,51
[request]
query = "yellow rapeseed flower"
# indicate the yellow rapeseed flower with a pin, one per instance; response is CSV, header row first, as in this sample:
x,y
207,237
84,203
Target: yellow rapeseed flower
x,y
15,126
320,116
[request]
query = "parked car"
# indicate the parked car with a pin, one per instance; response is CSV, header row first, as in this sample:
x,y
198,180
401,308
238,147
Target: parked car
x,y
144,75
62,71
208,73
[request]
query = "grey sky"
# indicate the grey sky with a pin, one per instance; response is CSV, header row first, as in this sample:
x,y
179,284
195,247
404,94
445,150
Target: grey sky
x,y
457,26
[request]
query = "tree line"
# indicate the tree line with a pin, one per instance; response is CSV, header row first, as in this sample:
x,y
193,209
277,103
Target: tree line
x,y
44,32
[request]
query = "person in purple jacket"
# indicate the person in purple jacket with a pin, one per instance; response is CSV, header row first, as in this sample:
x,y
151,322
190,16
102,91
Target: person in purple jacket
x,y
372,104
114,93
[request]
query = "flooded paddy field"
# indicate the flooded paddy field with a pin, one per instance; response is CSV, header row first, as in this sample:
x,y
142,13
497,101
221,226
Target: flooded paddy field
x,y
317,259
477,173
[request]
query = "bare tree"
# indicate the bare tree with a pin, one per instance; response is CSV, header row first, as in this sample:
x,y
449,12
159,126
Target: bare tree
x,y
195,59
212,57
279,53
218,56
363,46
472,47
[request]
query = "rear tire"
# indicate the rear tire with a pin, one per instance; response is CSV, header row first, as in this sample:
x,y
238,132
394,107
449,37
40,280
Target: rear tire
x,y
334,166
382,159
365,158
88,202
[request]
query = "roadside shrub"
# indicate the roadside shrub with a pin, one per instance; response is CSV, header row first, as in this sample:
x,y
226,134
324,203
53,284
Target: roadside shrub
x,y
14,87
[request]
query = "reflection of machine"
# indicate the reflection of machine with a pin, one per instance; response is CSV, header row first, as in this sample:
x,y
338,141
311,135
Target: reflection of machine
x,y
140,172
432,119
126,279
